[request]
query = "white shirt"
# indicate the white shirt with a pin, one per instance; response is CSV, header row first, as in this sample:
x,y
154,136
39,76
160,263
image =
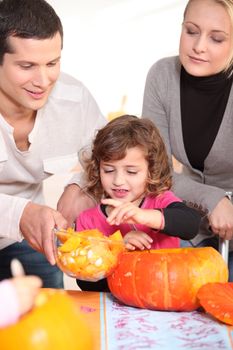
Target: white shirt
x,y
66,123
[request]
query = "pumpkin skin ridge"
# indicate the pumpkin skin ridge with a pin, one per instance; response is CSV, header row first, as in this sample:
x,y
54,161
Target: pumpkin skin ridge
x,y
167,294
123,281
147,299
166,300
128,276
179,297
138,301
170,298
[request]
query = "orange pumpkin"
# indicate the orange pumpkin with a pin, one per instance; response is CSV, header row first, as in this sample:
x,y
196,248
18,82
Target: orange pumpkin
x,y
217,300
166,279
54,323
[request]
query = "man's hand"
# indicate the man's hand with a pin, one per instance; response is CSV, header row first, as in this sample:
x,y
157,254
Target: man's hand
x,y
37,224
72,202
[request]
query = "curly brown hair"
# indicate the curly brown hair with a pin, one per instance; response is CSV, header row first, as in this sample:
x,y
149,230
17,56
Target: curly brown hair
x,y
112,142
26,19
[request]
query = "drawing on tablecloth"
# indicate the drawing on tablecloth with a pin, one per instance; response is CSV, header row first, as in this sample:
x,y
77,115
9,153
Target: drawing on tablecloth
x,y
130,328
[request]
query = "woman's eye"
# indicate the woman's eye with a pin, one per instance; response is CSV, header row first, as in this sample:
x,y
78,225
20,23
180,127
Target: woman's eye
x,y
191,32
108,171
217,40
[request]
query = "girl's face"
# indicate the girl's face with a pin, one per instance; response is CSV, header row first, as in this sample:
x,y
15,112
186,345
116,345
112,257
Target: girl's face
x,y
206,38
125,179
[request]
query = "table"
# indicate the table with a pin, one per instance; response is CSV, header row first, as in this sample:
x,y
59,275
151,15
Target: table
x,y
119,327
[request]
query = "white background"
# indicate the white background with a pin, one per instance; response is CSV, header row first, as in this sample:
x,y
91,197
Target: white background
x,y
110,45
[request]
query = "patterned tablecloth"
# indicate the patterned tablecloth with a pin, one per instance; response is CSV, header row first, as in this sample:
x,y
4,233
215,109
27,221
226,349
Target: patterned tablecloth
x,y
119,327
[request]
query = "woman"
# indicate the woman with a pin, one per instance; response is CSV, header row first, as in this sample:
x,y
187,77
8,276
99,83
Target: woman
x,y
190,100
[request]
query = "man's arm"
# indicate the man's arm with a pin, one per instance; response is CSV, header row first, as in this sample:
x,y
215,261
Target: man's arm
x,y
72,202
21,218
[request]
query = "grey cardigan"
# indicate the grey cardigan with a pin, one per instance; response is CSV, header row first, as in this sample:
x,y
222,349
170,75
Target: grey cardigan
x,y
161,104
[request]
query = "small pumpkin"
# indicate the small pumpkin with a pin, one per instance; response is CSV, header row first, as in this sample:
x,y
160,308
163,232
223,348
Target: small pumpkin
x,y
217,300
54,323
166,279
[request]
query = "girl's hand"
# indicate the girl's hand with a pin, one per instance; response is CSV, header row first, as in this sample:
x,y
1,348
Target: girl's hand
x,y
131,214
124,212
137,240
221,219
27,288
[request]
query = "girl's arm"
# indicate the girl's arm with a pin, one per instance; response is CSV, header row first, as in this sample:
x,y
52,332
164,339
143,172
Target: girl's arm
x,y
181,221
177,219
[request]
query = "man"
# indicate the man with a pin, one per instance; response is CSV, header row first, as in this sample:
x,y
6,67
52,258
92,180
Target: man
x,y
46,117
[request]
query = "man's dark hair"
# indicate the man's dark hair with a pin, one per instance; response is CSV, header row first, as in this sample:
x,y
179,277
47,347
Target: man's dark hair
x,y
26,19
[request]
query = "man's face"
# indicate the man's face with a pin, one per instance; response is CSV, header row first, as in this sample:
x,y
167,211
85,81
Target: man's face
x,y
28,75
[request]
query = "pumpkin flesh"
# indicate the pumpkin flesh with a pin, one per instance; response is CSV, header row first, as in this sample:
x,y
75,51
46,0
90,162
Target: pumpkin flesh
x,y
217,300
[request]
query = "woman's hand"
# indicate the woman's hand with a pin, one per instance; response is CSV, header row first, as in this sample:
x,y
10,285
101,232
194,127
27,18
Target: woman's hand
x,y
137,240
221,219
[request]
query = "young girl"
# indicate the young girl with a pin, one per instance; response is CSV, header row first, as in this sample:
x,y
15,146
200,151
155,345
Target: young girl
x,y
129,173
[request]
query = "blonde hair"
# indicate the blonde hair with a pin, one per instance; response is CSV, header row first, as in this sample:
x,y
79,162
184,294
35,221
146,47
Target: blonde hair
x,y
228,6
111,144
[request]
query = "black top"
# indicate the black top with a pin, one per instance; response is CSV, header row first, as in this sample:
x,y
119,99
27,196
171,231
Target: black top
x,y
180,220
203,103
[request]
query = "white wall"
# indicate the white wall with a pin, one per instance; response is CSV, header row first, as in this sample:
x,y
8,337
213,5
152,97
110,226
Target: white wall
x,y
111,44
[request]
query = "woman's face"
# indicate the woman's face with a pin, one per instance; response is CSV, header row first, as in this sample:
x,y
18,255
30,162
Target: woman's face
x,y
206,38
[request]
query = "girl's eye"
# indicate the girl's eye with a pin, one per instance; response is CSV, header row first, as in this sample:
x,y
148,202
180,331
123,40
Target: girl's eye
x,y
132,172
108,171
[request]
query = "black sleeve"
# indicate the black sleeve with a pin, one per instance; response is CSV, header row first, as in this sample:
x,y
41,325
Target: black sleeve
x,y
181,221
